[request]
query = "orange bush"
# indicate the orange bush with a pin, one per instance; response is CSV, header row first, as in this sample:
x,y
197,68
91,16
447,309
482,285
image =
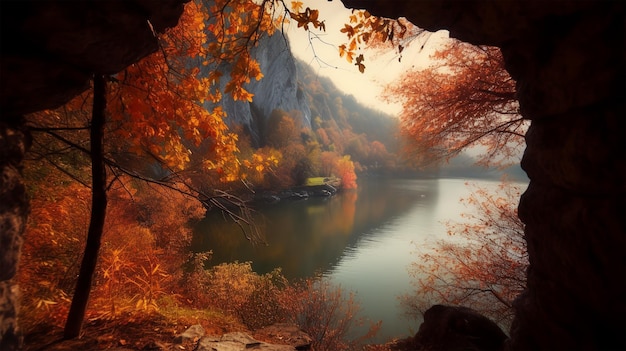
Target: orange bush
x,y
52,249
326,313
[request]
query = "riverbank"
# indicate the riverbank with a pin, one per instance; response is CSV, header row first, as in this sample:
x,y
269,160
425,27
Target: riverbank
x,y
190,330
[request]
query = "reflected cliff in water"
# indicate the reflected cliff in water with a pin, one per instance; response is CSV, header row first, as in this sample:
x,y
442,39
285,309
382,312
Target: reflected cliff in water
x,y
311,236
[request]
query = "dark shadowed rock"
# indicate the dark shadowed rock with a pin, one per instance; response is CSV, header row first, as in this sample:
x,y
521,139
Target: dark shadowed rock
x,y
458,328
50,49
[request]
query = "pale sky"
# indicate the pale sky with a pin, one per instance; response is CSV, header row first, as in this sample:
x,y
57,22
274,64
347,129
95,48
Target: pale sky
x,y
323,55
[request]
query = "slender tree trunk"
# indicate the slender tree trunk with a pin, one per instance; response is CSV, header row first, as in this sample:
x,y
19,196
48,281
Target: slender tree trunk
x,y
98,211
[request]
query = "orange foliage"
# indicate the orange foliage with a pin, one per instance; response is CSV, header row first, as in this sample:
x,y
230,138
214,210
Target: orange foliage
x,y
466,98
157,103
323,137
364,29
55,237
292,155
282,129
379,155
146,236
157,106
483,263
156,110
332,164
344,169
306,16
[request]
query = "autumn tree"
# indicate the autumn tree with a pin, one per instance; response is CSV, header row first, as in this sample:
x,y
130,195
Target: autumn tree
x,y
284,174
145,245
344,168
378,155
323,137
153,106
481,265
282,129
98,211
156,106
466,98
332,164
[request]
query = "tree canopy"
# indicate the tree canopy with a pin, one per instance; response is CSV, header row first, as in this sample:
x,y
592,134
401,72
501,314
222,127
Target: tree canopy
x,y
465,98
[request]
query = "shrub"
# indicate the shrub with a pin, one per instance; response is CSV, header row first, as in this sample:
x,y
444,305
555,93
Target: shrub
x,y
263,306
327,314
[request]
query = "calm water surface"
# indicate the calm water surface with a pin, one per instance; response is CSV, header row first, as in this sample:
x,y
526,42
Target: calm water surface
x,y
363,240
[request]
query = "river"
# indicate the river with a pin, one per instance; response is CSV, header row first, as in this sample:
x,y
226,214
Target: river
x,y
363,240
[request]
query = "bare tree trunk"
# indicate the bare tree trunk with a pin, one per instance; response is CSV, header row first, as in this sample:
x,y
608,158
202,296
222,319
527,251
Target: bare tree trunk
x,y
98,211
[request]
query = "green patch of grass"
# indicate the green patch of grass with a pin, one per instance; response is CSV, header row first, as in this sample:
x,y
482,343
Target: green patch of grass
x,y
313,181
212,320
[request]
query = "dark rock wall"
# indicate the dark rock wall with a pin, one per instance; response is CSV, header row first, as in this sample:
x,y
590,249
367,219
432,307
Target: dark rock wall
x,y
448,328
13,212
50,50
572,88
568,59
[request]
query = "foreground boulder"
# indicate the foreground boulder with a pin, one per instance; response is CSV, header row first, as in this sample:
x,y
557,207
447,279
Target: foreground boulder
x,y
458,328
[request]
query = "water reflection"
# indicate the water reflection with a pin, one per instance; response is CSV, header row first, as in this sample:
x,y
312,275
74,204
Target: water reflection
x,y
312,236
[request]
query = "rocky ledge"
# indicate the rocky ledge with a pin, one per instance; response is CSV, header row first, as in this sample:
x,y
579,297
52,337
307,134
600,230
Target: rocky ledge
x,y
286,337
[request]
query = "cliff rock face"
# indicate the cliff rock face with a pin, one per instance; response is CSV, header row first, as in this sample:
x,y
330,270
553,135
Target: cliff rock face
x,y
277,90
568,59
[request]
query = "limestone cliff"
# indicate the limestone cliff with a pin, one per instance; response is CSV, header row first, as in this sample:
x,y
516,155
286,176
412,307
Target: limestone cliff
x,y
277,90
